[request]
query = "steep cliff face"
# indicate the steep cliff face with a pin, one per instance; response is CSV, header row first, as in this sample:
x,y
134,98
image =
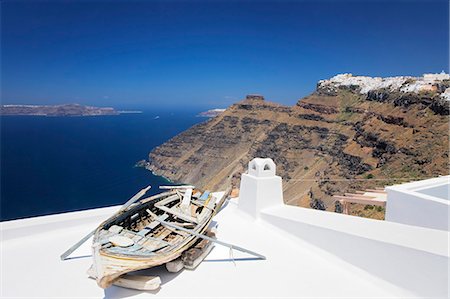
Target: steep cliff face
x,y
321,145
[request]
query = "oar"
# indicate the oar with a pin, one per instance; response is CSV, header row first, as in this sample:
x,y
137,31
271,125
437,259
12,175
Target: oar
x,y
231,246
85,238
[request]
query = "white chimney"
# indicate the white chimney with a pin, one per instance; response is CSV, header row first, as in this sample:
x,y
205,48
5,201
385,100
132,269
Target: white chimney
x,y
260,187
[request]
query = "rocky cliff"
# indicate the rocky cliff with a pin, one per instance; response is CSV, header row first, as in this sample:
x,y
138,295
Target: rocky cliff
x,y
351,133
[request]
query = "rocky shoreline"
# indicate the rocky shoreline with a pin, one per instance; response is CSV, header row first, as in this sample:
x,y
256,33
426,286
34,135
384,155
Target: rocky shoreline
x,y
147,165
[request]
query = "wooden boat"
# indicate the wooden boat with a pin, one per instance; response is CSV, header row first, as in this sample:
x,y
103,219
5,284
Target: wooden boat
x,y
140,237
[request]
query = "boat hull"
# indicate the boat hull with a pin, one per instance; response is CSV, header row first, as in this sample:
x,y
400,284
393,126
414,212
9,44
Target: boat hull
x,y
139,238
108,268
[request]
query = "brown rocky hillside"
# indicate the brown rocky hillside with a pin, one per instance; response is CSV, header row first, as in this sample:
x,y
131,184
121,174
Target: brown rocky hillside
x,y
320,145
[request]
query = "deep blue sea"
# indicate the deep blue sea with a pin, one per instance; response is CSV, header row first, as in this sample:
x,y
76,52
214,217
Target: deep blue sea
x,y
59,164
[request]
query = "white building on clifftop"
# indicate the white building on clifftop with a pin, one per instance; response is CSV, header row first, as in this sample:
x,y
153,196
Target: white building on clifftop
x,y
400,83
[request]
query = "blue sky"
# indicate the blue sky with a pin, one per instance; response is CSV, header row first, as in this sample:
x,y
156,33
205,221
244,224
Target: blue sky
x,y
209,54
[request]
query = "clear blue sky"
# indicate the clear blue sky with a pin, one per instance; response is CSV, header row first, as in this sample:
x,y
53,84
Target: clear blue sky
x,y
209,54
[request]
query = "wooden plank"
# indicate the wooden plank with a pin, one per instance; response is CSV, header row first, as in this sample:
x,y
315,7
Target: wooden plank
x,y
204,253
202,236
135,282
157,242
153,245
155,223
176,239
179,232
186,202
164,233
197,202
167,200
148,228
175,265
196,254
141,239
138,282
207,208
219,204
143,232
147,199
178,214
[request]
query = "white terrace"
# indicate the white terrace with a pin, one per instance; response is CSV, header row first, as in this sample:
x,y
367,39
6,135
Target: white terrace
x,y
309,253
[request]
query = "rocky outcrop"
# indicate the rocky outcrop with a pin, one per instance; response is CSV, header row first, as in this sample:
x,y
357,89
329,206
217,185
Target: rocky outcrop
x,y
320,145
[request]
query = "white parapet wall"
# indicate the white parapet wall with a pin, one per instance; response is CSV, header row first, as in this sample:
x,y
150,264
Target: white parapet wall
x,y
423,203
410,256
414,259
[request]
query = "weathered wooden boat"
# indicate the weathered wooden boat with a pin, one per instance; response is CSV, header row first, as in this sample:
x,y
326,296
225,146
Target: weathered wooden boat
x,y
151,232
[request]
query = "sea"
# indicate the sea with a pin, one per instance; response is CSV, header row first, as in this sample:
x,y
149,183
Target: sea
x,y
59,164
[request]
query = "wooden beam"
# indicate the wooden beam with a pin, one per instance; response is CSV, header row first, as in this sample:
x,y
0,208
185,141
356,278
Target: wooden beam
x,y
135,282
179,215
167,200
198,235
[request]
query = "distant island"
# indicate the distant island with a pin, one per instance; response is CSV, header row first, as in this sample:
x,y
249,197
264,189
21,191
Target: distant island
x,y
211,113
59,110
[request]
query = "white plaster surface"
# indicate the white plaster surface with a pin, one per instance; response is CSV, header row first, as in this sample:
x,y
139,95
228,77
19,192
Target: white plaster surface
x,y
309,254
423,203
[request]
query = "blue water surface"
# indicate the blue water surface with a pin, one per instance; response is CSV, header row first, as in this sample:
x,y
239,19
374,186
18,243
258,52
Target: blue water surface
x,y
59,164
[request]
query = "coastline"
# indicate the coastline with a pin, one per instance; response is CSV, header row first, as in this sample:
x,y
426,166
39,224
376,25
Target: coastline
x,y
98,173
146,165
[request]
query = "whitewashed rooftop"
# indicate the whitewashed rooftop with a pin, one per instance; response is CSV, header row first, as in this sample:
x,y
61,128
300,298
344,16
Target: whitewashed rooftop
x,y
309,253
